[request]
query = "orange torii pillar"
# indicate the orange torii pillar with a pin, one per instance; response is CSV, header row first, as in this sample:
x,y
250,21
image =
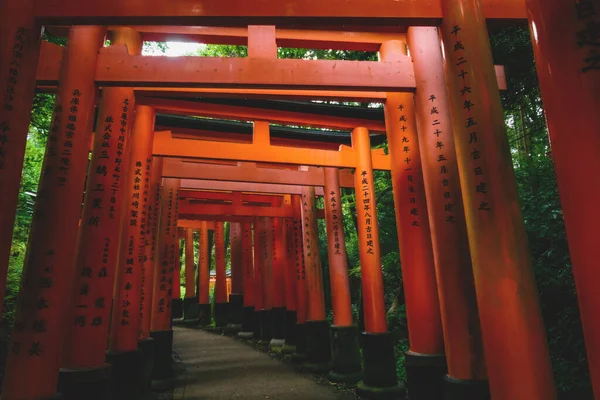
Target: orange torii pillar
x,y
177,302
318,343
568,66
427,193
236,298
378,344
456,288
204,308
290,287
190,302
34,352
258,280
20,38
279,260
347,363
299,354
146,343
518,364
221,304
123,350
248,271
166,248
265,249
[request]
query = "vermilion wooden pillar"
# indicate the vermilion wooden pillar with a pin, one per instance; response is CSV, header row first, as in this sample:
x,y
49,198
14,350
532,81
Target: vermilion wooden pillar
x,y
146,343
456,288
565,43
290,286
177,302
163,280
48,274
279,259
378,345
190,302
513,333
265,248
248,272
258,277
204,275
221,304
19,51
123,353
318,345
236,298
347,363
300,271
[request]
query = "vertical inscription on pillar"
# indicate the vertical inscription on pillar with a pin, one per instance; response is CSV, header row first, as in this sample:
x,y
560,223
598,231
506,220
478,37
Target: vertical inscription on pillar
x,y
367,211
336,222
407,148
300,269
440,147
164,295
457,56
307,205
588,35
14,70
66,150
145,233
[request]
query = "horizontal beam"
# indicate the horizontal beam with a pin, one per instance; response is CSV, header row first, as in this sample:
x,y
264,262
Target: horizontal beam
x,y
189,184
206,211
116,68
194,224
269,12
194,108
254,199
201,171
167,146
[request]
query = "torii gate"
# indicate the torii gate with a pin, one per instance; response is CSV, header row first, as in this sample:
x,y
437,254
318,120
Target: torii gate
x,y
505,293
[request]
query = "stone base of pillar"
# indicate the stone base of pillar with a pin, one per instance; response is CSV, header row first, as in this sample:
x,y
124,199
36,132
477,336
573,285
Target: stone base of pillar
x,y
163,354
147,348
256,318
57,396
455,389
346,364
220,314
85,383
290,328
247,323
126,374
204,314
191,310
318,346
236,309
176,308
299,355
425,375
379,380
279,322
266,327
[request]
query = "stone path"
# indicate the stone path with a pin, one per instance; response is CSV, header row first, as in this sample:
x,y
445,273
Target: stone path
x,y
215,367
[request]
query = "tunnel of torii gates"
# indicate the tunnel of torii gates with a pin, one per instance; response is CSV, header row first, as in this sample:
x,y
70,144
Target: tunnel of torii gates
x,y
473,312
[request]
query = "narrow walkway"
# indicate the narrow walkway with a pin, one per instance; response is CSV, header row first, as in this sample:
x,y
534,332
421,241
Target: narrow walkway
x,y
220,368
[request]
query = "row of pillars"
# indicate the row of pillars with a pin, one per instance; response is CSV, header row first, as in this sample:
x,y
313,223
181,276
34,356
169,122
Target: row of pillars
x,y
468,278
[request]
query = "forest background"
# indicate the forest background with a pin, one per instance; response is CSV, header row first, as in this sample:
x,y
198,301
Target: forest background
x,y
532,160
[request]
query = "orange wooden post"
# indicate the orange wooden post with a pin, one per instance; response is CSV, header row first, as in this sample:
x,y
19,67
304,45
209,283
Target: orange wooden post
x,y
458,303
300,272
123,354
19,52
160,324
258,277
568,61
204,276
347,363
221,304
318,345
176,302
236,298
265,248
279,260
248,272
190,302
514,338
290,286
48,274
378,345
